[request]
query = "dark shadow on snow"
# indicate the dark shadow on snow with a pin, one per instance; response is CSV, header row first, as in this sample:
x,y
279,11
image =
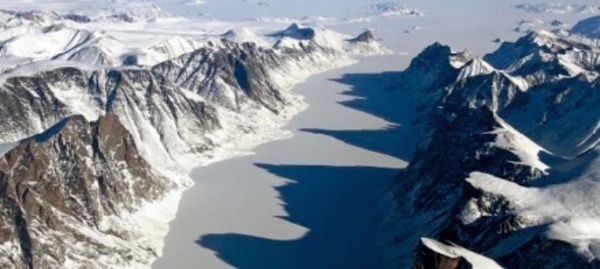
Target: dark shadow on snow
x,y
337,217
377,95
385,141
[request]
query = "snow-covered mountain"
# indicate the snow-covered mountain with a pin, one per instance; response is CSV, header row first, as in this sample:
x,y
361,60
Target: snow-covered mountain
x,y
506,164
104,119
72,197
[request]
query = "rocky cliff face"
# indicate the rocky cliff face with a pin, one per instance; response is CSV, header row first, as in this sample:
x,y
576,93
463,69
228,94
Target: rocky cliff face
x,y
495,132
154,111
64,188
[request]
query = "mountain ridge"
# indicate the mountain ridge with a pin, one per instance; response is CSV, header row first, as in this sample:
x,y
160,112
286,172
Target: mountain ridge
x,y
493,128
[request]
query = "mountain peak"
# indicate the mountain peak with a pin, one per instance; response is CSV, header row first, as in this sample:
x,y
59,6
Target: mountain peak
x,y
435,52
365,36
297,32
243,35
475,67
540,38
438,57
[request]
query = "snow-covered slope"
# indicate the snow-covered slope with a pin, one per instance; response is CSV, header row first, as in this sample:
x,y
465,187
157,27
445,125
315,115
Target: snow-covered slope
x,y
242,35
43,45
93,49
452,251
506,164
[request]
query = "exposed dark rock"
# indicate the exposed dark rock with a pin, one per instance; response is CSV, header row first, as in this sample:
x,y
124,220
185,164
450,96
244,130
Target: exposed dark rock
x,y
296,32
75,173
243,68
77,18
428,258
366,36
